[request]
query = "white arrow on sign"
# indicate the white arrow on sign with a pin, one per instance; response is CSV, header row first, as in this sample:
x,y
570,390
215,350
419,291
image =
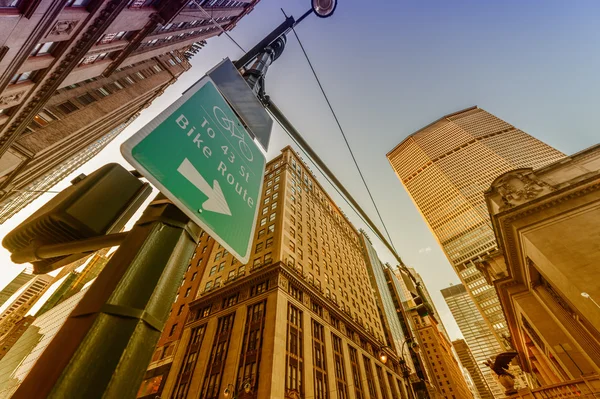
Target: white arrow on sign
x,y
216,201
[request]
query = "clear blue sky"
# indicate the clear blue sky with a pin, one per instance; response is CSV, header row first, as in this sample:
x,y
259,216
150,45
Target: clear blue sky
x,y
393,67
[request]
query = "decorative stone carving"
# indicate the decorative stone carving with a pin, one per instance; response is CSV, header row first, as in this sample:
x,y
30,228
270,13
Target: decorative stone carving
x,y
283,282
518,187
292,394
11,98
62,28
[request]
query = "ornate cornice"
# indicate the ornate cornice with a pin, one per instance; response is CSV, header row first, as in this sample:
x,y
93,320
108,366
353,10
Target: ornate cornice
x,y
503,222
59,73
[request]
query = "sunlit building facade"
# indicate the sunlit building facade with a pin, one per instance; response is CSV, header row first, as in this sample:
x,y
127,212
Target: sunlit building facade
x,y
20,359
446,372
468,361
446,167
73,71
20,303
14,285
298,321
547,222
482,343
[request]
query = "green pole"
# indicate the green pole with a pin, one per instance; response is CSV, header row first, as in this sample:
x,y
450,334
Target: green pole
x,y
107,342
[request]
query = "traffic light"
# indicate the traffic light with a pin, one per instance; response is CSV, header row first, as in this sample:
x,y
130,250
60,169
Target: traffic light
x,y
93,206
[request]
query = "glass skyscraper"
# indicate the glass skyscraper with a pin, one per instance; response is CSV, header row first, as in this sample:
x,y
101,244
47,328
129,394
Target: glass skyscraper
x,y
446,167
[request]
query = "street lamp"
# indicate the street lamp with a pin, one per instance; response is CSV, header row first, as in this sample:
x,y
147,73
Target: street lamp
x,y
324,8
587,296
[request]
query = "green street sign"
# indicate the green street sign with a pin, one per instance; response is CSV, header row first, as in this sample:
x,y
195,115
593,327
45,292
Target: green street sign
x,y
198,154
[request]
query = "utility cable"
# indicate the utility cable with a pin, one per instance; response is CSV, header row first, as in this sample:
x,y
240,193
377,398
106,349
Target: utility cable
x,y
217,25
343,135
317,166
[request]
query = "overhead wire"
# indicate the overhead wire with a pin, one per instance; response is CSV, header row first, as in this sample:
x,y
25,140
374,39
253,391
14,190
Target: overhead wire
x,y
344,136
322,173
218,25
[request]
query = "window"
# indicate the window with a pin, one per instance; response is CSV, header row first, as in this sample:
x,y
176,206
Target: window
x,y
173,328
194,276
259,247
102,92
77,3
261,233
180,309
231,275
271,228
187,292
67,107
263,221
21,77
43,118
242,270
222,266
272,217
208,285
86,99
319,362
339,369
268,258
294,351
213,270
42,49
269,242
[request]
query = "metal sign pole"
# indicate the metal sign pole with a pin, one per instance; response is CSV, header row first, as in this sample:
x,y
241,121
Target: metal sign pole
x,y
105,345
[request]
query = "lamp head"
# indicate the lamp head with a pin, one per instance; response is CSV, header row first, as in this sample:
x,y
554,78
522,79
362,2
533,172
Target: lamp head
x,y
324,8
383,357
226,392
585,295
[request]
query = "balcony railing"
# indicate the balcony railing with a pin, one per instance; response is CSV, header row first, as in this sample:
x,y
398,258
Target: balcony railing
x,y
585,387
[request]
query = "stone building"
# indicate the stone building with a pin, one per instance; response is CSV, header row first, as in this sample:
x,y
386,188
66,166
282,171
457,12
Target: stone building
x,y
298,321
547,269
446,373
73,71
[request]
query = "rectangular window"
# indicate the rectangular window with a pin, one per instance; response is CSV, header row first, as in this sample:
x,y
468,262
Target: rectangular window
x,y
382,383
319,361
340,370
67,107
259,247
86,99
189,361
42,49
102,92
356,375
251,352
268,258
211,388
271,229
370,377
294,351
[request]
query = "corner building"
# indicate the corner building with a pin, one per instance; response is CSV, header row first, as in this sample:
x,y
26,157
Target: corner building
x,y
74,71
299,320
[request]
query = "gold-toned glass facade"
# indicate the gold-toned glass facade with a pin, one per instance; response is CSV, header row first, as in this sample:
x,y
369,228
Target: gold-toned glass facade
x,y
446,167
